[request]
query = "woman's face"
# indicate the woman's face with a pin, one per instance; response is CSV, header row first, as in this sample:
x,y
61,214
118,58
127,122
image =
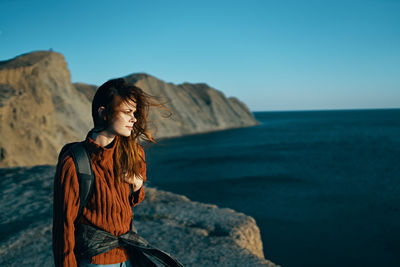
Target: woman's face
x,y
125,118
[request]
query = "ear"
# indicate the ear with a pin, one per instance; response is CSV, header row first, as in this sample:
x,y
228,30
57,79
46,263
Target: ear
x,y
100,111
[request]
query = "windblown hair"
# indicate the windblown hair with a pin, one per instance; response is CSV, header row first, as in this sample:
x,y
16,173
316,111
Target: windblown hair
x,y
127,157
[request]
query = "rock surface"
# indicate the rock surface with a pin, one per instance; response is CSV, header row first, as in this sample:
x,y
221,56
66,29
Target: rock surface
x,y
196,108
197,234
41,110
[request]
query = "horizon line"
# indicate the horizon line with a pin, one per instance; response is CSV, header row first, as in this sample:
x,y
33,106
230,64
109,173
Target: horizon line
x,y
334,109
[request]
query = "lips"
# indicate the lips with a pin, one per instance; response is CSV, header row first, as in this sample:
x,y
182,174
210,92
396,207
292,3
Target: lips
x,y
130,127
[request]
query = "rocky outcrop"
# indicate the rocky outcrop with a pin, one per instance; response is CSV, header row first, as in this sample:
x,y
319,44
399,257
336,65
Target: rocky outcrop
x,y
211,236
196,108
197,234
40,110
87,89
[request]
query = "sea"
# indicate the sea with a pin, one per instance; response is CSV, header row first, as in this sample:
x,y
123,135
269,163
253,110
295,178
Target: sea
x,y
323,186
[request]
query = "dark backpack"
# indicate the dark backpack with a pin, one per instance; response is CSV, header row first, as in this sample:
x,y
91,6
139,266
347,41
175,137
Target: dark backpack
x,y
84,172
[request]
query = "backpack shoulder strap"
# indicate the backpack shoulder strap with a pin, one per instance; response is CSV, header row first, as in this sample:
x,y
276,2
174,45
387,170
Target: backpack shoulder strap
x,y
84,172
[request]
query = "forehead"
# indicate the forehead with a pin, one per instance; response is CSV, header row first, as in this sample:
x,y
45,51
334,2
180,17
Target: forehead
x,y
129,104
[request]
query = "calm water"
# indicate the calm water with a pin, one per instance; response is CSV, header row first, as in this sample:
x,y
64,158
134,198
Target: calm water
x,y
323,186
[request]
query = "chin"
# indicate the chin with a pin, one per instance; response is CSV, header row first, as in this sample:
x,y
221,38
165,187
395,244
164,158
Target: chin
x,y
124,133
127,134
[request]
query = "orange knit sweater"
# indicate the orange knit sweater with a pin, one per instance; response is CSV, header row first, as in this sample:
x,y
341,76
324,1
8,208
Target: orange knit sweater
x,y
109,207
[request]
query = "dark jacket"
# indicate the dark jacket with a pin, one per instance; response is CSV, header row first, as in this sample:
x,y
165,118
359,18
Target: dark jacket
x,y
92,241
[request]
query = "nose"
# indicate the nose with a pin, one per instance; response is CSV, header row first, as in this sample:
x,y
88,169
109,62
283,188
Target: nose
x,y
133,119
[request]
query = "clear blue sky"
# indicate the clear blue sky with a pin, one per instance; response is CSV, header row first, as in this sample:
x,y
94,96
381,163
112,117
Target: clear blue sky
x,y
271,54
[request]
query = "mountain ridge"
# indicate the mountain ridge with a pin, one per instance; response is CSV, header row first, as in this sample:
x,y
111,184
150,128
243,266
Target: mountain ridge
x,y
41,109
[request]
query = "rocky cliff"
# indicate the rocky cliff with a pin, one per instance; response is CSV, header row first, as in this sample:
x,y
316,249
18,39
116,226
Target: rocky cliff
x,y
195,108
197,234
211,236
40,110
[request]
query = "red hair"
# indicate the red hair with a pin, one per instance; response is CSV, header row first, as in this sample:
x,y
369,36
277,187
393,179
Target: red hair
x,y
127,156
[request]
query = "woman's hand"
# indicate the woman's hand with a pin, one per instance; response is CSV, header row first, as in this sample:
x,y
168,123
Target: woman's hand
x,y
137,182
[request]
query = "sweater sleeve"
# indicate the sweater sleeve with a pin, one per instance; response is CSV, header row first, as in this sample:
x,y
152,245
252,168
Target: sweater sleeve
x,y
65,210
138,196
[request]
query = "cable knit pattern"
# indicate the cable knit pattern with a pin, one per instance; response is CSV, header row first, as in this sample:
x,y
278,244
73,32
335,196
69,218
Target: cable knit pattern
x,y
109,208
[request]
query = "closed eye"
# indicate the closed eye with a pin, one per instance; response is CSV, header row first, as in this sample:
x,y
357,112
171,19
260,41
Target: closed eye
x,y
130,111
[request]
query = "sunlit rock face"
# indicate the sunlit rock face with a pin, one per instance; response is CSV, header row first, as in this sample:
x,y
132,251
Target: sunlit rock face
x,y
41,110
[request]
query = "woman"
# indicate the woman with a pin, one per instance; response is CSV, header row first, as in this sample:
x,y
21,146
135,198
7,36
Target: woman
x,y
119,112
